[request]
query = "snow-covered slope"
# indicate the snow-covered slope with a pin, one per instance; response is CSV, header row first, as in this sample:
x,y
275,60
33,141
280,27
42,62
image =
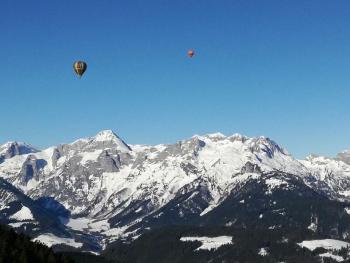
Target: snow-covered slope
x,y
329,174
10,149
108,186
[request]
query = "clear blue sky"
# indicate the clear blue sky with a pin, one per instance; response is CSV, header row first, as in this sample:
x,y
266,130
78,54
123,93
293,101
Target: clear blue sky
x,y
279,68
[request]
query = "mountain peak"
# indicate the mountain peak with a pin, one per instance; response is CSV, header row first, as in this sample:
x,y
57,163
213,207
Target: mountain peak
x,y
266,145
106,135
110,136
215,135
10,149
23,148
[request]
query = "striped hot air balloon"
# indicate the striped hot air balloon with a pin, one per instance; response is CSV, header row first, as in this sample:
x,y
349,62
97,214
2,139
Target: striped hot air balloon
x,y
79,68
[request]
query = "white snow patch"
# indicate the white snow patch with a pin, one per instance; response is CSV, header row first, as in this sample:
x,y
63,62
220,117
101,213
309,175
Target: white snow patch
x,y
274,183
135,237
345,193
3,206
216,135
23,214
139,209
18,224
312,227
325,243
263,252
209,243
329,255
50,240
208,209
82,224
90,156
78,223
99,225
47,156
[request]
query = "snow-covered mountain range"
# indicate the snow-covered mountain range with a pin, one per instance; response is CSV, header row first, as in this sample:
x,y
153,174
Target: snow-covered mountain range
x,y
90,192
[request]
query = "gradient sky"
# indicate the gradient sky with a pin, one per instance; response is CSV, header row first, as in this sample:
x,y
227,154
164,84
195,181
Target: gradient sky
x,y
279,68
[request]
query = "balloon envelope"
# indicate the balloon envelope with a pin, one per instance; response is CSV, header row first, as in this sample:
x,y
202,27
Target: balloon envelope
x,y
79,67
190,53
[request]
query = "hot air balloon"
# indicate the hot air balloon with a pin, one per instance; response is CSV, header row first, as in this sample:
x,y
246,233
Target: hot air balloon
x,y
190,53
80,67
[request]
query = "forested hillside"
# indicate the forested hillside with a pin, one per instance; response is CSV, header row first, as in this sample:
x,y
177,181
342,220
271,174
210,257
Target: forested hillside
x,y
248,246
17,248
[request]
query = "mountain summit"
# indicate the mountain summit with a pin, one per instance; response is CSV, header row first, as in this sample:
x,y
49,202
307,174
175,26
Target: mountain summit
x,y
107,135
10,149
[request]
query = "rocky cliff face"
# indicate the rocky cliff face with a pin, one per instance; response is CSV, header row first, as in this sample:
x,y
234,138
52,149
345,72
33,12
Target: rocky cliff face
x,y
11,149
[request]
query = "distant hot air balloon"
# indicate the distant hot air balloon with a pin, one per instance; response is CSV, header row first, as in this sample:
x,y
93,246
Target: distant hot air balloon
x,y
79,67
190,53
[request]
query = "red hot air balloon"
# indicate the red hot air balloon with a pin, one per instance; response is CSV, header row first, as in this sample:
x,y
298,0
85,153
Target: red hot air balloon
x,y
79,68
190,53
